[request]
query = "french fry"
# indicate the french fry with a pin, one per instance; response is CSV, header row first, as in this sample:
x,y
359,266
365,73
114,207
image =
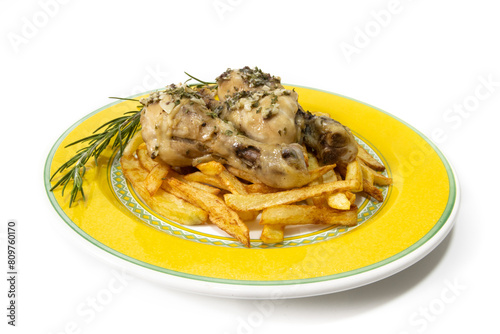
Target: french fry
x,y
381,180
261,201
353,172
330,177
201,186
248,215
314,174
207,179
369,160
218,212
318,200
312,161
144,158
339,201
272,234
350,196
212,168
367,175
255,186
260,188
308,214
155,178
132,145
242,174
233,184
372,191
373,177
165,204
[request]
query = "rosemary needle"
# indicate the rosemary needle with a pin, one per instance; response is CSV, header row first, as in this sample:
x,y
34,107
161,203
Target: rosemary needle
x,y
121,129
201,81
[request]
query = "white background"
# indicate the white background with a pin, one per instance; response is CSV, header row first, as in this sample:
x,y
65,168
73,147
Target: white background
x,y
61,60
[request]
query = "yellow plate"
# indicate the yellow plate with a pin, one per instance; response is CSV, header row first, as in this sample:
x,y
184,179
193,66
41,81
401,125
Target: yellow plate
x,y
416,215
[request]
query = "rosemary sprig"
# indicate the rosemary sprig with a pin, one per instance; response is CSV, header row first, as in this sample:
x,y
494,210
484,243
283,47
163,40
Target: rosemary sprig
x,y
121,129
123,98
203,83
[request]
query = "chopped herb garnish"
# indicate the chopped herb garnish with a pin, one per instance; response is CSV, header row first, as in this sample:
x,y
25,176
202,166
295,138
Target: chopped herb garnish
x,y
255,77
212,114
269,113
274,98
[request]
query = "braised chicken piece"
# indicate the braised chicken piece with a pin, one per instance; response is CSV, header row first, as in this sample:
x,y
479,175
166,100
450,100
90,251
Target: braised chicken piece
x,y
329,140
259,106
179,128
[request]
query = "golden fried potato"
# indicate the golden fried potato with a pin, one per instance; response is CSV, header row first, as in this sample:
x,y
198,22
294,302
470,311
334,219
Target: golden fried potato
x,y
260,188
207,179
155,178
272,234
216,169
219,213
248,215
314,164
373,191
369,160
339,201
373,177
212,168
316,173
232,183
133,144
144,158
353,172
308,214
261,201
242,174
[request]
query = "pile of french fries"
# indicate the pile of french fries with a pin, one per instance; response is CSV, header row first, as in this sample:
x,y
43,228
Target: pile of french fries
x,y
228,197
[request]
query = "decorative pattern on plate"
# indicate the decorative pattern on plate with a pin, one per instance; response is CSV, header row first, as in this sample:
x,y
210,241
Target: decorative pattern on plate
x,y
130,200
